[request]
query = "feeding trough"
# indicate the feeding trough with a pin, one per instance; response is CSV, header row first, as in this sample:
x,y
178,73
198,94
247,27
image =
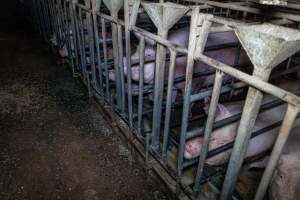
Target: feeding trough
x,y
96,4
267,46
164,16
113,6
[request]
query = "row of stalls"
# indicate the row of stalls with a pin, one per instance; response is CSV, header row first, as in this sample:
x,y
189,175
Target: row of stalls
x,y
206,88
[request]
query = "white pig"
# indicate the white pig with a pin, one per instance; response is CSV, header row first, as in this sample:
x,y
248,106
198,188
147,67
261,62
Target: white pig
x,y
227,133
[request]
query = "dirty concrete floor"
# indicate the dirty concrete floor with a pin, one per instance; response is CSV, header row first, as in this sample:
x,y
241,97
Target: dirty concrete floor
x,y
53,142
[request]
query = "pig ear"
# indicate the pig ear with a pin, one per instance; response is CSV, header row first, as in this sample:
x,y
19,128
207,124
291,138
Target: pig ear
x,y
222,110
206,101
147,40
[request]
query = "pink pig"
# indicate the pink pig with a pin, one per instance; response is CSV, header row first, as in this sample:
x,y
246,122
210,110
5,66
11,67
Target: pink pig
x,y
180,38
227,133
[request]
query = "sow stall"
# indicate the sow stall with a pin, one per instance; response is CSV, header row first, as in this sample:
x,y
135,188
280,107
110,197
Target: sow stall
x,y
125,54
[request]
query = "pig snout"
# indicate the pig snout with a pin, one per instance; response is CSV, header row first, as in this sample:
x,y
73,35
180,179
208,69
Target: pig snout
x,y
63,52
193,148
219,137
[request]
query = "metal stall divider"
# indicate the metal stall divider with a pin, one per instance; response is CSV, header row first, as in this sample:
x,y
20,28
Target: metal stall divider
x,y
264,58
79,25
114,6
164,16
81,34
74,36
96,4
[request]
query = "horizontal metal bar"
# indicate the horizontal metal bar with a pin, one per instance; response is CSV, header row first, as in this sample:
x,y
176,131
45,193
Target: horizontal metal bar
x,y
199,131
252,81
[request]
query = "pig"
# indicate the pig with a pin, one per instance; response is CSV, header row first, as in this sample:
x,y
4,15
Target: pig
x,y
180,38
63,52
227,133
285,184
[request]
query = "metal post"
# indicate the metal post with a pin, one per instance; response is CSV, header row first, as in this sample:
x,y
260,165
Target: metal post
x,y
289,119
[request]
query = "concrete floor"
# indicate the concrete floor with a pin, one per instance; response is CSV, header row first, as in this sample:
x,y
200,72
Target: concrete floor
x,y
53,142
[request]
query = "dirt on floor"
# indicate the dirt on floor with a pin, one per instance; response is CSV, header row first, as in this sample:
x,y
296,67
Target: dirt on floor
x,y
54,144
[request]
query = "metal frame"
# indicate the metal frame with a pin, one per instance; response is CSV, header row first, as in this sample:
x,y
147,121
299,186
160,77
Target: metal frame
x,y
85,29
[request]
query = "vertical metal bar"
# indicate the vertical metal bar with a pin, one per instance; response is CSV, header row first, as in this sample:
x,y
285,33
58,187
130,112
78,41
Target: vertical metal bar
x,y
120,44
116,62
168,105
74,38
197,21
97,43
188,88
128,59
208,129
249,115
92,52
82,41
284,133
158,88
69,34
148,137
141,82
104,44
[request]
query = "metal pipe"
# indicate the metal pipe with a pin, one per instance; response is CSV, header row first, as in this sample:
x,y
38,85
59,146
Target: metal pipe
x,y
208,129
249,115
103,32
284,133
128,59
168,105
141,82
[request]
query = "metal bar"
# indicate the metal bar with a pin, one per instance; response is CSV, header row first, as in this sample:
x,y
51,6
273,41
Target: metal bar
x,y
203,30
99,62
128,60
208,129
252,81
120,44
249,115
284,133
188,88
168,106
141,82
158,88
103,32
116,62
